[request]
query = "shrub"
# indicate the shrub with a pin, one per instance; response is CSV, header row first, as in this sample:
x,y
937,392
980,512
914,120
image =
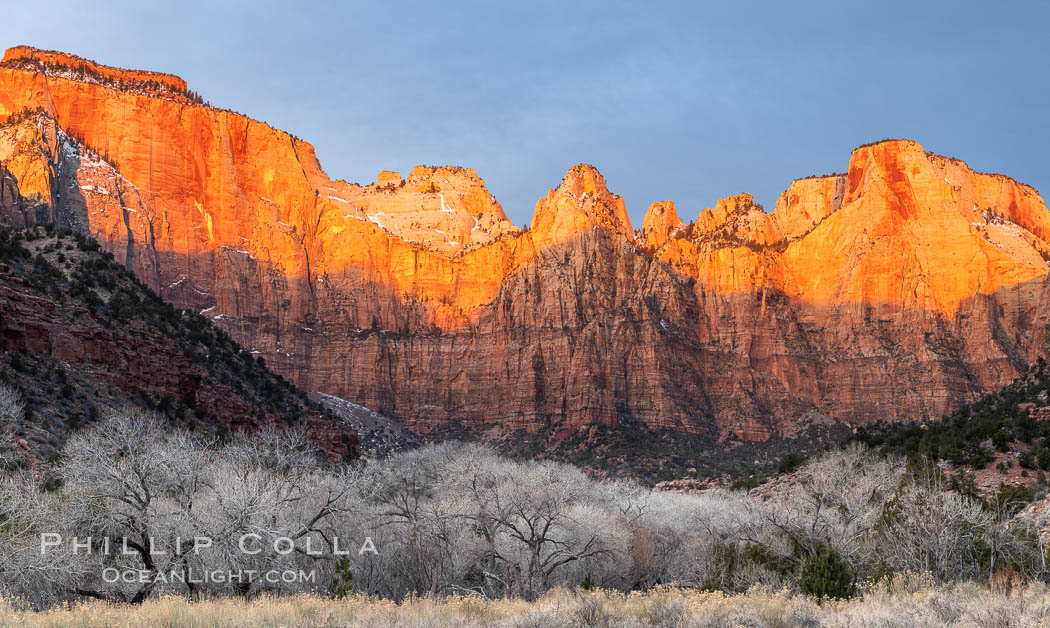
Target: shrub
x,y
1042,458
723,564
1013,497
1002,440
789,463
342,580
827,575
1026,460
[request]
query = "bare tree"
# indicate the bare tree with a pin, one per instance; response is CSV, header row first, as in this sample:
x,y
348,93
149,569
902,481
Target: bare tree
x,y
537,518
270,493
458,518
837,501
133,488
26,572
933,531
12,406
164,503
12,413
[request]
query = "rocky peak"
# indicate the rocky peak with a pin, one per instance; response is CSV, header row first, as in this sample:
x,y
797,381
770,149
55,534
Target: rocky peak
x,y
919,230
807,202
463,182
738,219
736,205
388,178
660,222
72,67
913,185
891,168
447,209
443,173
994,195
584,179
581,202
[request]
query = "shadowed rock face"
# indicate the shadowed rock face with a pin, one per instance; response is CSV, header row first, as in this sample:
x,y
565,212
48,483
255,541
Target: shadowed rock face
x,y
898,290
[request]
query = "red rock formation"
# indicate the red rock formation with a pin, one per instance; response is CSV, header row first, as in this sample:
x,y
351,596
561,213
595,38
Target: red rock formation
x,y
64,64
897,290
807,202
580,203
10,198
660,224
446,209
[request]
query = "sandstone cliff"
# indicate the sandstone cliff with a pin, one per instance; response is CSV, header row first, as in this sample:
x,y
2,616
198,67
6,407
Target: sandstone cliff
x,y
900,289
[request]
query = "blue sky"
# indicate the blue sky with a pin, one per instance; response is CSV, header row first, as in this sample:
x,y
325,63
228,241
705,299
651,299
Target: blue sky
x,y
684,101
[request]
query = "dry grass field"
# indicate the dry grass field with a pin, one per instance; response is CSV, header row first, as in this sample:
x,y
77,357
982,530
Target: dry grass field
x,y
903,602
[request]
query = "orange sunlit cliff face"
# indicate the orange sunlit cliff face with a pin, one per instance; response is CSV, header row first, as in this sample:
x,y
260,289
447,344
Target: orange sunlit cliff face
x,y
898,290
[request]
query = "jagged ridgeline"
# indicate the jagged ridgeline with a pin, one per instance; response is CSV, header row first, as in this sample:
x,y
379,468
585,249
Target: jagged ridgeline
x,y
81,335
899,290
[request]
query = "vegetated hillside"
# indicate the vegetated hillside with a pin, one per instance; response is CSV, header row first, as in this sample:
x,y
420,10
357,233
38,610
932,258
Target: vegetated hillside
x,y
1000,441
1003,438
80,335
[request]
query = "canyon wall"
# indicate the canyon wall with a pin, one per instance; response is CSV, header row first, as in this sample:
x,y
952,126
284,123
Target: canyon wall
x,y
898,290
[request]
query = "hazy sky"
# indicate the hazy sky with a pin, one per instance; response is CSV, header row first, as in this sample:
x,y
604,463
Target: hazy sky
x,y
682,101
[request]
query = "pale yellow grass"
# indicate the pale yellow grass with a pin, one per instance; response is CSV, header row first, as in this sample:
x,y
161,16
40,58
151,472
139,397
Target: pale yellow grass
x,y
904,602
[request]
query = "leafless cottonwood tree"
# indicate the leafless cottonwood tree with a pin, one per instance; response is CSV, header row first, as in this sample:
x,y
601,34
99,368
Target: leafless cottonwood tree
x,y
171,507
460,518
133,489
420,508
265,490
935,532
838,502
535,518
26,573
12,406
12,413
